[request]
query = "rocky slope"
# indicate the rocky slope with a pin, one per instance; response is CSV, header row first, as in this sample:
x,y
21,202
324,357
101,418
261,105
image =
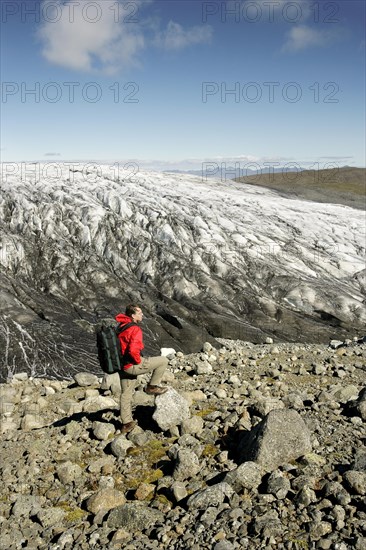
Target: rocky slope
x,y
253,446
205,259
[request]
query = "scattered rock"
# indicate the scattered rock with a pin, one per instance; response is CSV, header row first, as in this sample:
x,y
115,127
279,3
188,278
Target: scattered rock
x,y
68,472
238,469
27,505
345,393
281,437
335,344
31,422
246,476
179,490
103,431
265,406
144,491
98,403
134,516
356,481
193,425
170,409
105,500
86,379
278,484
212,496
187,465
120,445
51,516
360,459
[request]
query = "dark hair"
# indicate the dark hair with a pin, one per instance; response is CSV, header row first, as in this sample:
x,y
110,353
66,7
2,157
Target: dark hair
x,y
131,309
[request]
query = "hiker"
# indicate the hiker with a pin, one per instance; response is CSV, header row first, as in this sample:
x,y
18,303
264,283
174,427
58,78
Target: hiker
x,y
131,341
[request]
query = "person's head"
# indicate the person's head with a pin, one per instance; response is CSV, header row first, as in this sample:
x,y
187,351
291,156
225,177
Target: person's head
x,y
135,312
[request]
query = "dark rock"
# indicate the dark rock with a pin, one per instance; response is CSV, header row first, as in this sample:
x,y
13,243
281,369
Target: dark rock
x,y
134,516
281,437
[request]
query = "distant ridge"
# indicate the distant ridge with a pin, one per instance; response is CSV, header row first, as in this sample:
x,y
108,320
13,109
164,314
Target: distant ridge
x,y
346,185
224,173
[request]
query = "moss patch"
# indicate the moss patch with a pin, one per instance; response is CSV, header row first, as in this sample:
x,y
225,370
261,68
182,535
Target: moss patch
x,y
205,412
143,469
74,514
141,474
210,450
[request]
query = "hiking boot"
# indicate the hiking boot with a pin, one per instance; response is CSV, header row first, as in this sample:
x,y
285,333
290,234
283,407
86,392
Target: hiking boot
x,y
126,428
155,390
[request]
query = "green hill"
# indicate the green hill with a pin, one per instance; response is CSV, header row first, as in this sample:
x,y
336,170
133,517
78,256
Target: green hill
x,y
345,185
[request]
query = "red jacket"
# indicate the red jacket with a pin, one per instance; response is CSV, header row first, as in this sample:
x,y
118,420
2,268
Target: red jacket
x,y
131,342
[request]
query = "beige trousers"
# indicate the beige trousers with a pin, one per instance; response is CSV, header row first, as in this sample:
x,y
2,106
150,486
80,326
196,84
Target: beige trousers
x,y
156,365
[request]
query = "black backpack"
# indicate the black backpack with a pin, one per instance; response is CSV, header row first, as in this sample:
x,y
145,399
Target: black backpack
x,y
109,348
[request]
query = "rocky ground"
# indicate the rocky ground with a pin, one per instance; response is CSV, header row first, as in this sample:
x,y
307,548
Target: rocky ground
x,y
253,446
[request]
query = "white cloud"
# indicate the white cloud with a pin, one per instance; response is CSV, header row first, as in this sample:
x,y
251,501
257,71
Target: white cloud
x,y
302,37
113,41
76,42
175,37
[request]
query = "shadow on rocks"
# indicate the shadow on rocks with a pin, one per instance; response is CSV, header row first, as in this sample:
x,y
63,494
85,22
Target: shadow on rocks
x,y
98,416
230,442
143,416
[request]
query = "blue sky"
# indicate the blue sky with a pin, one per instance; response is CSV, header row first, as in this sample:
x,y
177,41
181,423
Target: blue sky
x,y
178,83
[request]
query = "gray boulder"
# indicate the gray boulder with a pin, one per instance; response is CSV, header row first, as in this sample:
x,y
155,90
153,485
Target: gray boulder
x,y
105,500
345,393
27,505
86,379
179,490
103,430
21,376
278,484
120,445
170,409
265,406
281,437
98,403
192,425
111,382
32,422
212,496
360,460
247,476
338,492
68,472
361,404
356,481
48,517
335,344
187,465
134,516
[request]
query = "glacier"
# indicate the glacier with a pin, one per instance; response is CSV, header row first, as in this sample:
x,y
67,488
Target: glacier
x,y
204,259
